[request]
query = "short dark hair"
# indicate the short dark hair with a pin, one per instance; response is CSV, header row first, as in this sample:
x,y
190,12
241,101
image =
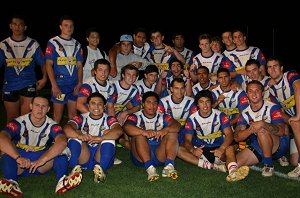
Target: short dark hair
x,y
175,60
220,70
149,94
129,67
203,67
179,80
96,95
65,17
101,61
252,62
90,30
40,96
275,58
256,82
203,93
151,68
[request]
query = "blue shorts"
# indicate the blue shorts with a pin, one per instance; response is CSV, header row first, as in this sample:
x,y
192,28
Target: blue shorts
x,y
33,156
68,94
155,161
283,148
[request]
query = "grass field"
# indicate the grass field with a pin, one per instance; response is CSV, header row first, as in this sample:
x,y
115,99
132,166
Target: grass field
x,y
126,180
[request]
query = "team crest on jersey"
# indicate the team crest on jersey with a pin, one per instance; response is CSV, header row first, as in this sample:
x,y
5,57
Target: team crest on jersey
x,y
8,49
264,117
25,134
157,124
42,135
61,48
142,125
29,49
12,126
57,129
169,111
236,60
216,123
86,128
198,128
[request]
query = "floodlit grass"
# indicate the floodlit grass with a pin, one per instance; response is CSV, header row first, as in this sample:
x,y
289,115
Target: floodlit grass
x,y
126,180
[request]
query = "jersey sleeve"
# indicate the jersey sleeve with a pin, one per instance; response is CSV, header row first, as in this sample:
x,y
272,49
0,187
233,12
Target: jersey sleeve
x,y
225,122
276,115
188,128
13,129
78,120
131,119
55,131
84,90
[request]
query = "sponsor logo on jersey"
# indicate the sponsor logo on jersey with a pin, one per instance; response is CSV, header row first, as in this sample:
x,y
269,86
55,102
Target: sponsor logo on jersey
x,y
112,120
277,114
77,119
188,126
12,126
57,129
291,75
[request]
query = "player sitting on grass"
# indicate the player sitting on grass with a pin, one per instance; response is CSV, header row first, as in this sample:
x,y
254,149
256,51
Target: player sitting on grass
x,y
92,138
153,138
31,154
207,139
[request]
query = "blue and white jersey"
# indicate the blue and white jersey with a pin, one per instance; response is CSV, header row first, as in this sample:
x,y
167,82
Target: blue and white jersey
x,y
213,62
143,88
179,111
142,51
30,137
197,87
94,127
158,122
92,86
188,56
122,96
227,52
65,54
283,90
19,59
168,82
233,103
209,130
240,57
269,112
265,81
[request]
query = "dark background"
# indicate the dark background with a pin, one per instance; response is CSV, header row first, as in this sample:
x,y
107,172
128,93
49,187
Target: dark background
x,y
272,28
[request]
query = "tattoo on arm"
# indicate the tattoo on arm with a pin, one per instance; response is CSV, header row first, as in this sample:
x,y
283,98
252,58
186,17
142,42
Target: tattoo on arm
x,y
272,128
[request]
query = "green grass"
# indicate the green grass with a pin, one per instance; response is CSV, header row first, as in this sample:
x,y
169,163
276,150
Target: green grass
x,y
126,180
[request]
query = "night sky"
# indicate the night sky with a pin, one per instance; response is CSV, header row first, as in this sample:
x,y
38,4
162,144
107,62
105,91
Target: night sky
x,y
266,27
